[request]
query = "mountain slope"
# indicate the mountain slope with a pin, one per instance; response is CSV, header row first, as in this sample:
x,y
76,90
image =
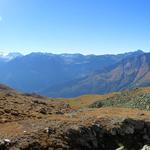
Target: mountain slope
x,y
136,98
5,57
128,73
32,122
38,71
16,106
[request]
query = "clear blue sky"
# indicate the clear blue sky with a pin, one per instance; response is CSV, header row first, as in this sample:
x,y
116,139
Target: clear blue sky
x,y
74,26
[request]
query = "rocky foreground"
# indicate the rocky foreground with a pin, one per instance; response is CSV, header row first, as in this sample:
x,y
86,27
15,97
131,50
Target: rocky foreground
x,y
32,122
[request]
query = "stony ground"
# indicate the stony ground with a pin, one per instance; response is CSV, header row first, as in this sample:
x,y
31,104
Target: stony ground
x,y
32,122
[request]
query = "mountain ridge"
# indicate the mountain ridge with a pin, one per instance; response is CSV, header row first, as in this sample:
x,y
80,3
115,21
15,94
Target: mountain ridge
x,y
38,71
128,73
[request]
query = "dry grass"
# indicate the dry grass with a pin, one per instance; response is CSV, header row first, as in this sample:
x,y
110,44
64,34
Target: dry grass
x,y
85,100
17,128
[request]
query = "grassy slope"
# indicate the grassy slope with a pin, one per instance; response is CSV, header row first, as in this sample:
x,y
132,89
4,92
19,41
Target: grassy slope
x,y
136,98
85,100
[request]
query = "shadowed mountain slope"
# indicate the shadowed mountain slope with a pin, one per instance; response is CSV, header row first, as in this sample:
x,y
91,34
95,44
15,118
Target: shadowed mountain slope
x,y
39,71
130,72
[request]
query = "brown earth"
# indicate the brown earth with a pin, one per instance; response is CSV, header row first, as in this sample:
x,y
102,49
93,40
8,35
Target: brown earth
x,y
17,106
32,122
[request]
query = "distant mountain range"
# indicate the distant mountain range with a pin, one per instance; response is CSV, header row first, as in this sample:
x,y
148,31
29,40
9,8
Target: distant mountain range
x,y
128,73
9,56
69,75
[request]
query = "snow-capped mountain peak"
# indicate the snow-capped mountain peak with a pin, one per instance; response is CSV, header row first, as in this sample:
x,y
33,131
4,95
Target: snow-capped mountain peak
x,y
9,56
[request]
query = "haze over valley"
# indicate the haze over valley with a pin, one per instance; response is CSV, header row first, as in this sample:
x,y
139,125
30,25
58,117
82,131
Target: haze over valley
x,y
70,75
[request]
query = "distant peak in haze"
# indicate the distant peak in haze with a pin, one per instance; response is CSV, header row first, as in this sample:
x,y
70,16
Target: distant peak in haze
x,y
6,56
9,56
81,54
139,51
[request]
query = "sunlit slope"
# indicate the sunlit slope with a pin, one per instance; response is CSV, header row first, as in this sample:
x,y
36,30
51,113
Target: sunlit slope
x,y
136,98
85,100
128,73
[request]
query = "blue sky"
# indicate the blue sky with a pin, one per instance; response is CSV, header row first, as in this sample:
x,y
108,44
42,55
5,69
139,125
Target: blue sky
x,y
74,26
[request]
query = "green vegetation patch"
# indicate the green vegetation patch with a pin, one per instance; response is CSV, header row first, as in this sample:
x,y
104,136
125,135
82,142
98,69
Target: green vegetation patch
x,y
129,99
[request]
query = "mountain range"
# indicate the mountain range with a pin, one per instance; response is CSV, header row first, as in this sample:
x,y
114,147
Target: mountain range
x,y
69,75
128,73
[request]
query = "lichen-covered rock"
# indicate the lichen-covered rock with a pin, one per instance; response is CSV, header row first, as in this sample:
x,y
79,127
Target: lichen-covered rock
x,y
4,144
121,148
146,147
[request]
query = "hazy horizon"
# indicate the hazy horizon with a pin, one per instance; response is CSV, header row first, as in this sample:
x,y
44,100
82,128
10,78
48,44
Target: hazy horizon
x,y
47,52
